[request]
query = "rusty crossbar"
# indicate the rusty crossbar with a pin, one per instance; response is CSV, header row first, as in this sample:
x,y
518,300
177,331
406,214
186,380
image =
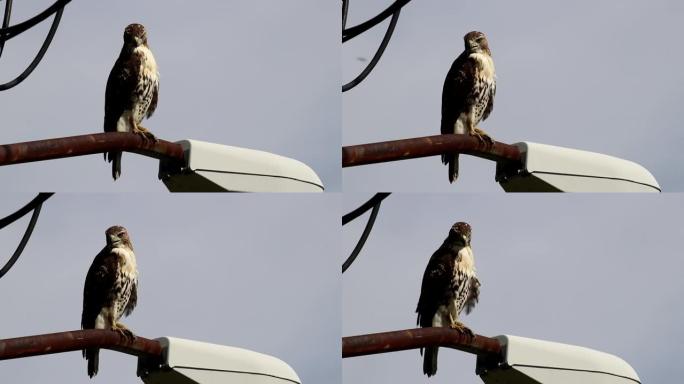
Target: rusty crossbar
x,y
87,145
76,340
394,341
384,151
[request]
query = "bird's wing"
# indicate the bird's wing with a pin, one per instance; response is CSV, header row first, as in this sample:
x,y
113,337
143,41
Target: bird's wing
x,y
155,97
490,104
435,287
458,85
133,299
473,294
97,289
121,84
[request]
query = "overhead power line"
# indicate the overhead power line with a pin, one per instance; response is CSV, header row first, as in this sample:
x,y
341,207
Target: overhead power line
x,y
349,33
7,32
374,203
35,206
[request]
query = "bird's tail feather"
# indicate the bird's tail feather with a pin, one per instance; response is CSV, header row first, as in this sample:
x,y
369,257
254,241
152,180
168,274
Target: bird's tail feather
x,y
452,160
93,357
115,159
430,361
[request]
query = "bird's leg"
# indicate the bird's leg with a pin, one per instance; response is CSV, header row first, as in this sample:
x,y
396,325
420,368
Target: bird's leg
x,y
457,325
483,136
124,331
146,133
142,131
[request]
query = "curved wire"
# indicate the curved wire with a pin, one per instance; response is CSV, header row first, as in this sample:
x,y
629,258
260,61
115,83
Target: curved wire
x,y
345,9
356,30
10,32
5,22
39,56
34,205
364,207
7,33
375,202
376,57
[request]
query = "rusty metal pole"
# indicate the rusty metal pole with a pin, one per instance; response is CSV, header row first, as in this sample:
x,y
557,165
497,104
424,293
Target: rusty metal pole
x,y
419,338
77,340
381,152
87,145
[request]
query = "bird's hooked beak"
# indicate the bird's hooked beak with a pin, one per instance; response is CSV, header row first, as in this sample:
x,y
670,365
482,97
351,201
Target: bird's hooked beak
x,y
113,239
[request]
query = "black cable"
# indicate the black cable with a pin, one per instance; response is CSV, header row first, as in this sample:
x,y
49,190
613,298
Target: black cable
x,y
8,33
5,23
356,30
34,205
376,57
375,202
345,9
364,207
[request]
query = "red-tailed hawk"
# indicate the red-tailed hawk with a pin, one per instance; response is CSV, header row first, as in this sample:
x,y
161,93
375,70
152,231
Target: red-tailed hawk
x,y
468,94
449,286
111,290
132,90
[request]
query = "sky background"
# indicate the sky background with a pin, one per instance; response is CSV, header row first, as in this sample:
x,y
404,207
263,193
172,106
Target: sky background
x,y
601,76
250,271
262,75
599,271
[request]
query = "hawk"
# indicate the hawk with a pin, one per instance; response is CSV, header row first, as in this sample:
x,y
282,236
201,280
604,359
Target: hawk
x,y
132,90
468,94
111,290
449,286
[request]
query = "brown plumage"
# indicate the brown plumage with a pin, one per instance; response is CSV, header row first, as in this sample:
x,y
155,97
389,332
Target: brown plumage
x,y
449,286
468,94
110,290
132,90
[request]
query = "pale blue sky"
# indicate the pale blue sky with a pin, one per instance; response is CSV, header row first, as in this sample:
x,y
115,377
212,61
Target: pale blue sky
x,y
600,271
250,271
263,75
602,76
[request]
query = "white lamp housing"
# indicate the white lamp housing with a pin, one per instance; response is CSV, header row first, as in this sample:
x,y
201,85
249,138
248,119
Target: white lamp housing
x,y
193,362
211,167
530,361
547,168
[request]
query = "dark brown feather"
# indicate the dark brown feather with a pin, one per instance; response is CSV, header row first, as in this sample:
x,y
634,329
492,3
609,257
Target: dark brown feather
x,y
435,289
457,88
490,104
121,84
473,294
97,290
132,300
456,99
153,103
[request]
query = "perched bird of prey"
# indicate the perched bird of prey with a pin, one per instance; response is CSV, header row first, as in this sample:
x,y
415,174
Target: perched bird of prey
x,y
111,290
468,94
449,286
132,90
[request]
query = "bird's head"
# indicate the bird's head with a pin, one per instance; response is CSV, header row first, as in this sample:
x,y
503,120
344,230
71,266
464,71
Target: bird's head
x,y
117,235
135,35
460,233
476,42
